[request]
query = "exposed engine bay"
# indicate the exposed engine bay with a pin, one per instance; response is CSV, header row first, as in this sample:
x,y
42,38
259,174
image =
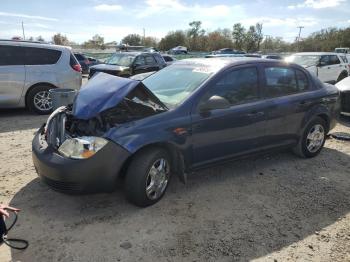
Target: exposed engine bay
x,y
63,124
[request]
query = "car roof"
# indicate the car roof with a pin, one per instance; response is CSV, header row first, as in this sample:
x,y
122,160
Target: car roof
x,y
316,53
135,53
34,44
217,63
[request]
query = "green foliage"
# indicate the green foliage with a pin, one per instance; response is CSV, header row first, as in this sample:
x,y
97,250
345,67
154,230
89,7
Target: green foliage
x,y
59,39
97,42
132,39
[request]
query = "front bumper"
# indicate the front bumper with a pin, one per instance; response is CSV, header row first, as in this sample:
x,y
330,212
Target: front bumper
x,y
98,173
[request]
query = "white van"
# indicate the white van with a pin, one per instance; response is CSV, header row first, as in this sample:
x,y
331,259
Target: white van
x,y
29,69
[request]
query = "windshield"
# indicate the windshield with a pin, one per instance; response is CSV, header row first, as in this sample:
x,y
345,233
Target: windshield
x,y
120,59
174,84
304,60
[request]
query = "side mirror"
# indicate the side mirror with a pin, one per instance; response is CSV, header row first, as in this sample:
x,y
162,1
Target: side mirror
x,y
215,102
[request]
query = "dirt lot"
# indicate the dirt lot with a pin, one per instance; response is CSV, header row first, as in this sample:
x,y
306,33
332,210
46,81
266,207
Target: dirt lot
x,y
275,207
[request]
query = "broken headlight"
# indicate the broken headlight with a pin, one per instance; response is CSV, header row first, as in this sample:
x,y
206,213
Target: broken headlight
x,y
82,147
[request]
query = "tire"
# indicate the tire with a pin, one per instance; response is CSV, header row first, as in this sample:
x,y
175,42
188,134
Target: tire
x,y
303,149
32,100
342,76
139,178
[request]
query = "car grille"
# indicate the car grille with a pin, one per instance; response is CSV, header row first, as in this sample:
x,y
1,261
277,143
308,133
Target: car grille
x,y
66,187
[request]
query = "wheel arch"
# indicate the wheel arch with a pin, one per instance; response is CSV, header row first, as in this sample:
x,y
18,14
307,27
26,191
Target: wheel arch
x,y
35,85
177,158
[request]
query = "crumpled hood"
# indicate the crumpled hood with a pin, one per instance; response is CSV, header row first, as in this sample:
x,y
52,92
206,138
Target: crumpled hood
x,y
102,92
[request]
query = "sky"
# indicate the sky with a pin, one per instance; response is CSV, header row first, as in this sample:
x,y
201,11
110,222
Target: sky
x,y
79,20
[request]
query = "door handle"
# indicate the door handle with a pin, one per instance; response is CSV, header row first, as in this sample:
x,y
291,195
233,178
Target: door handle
x,y
256,114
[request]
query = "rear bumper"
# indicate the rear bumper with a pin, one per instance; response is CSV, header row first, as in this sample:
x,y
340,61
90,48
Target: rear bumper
x,y
98,173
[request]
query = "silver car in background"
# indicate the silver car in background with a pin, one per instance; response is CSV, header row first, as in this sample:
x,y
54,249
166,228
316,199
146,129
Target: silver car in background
x,y
28,70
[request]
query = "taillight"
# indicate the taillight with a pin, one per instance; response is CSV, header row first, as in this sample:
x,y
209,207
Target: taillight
x,y
77,67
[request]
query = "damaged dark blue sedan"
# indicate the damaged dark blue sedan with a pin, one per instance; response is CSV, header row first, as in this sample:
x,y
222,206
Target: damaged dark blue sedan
x,y
191,114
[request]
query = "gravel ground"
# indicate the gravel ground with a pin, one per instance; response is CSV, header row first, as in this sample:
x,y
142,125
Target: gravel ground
x,y
275,207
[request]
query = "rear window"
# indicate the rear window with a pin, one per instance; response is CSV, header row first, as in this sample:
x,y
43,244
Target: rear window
x,y
150,60
41,56
167,58
79,57
282,81
11,55
72,60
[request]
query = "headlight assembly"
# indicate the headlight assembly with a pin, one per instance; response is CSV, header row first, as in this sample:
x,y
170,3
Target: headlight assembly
x,y
82,147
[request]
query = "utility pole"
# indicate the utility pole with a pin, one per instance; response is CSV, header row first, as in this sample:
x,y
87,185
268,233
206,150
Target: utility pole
x,y
144,36
300,27
24,36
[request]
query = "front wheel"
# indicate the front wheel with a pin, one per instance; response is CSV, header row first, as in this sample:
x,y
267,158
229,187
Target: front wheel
x,y
148,176
313,139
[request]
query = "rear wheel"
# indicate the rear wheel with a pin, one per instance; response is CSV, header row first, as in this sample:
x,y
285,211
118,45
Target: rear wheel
x,y
148,176
39,100
313,139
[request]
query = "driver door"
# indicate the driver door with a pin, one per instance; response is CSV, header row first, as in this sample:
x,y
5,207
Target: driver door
x,y
139,65
239,129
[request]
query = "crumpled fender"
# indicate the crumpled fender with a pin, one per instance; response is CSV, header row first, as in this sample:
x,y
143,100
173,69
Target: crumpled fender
x,y
102,92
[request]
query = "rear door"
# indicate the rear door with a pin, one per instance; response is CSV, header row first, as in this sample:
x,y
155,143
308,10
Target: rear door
x,y
151,63
12,75
287,91
240,129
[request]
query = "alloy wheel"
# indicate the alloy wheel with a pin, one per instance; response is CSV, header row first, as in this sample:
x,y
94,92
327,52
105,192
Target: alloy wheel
x,y
315,138
42,101
157,179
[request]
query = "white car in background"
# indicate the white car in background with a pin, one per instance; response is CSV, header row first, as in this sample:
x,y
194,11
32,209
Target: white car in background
x,y
344,88
28,70
329,67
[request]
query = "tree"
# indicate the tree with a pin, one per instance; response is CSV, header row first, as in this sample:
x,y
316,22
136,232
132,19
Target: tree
x,y
96,42
194,34
59,39
132,39
259,34
250,40
219,39
238,35
150,41
173,39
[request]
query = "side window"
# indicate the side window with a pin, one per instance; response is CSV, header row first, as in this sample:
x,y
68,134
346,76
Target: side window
x,y
238,86
160,59
150,60
41,56
167,58
344,59
302,80
325,59
11,55
280,81
140,60
334,60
